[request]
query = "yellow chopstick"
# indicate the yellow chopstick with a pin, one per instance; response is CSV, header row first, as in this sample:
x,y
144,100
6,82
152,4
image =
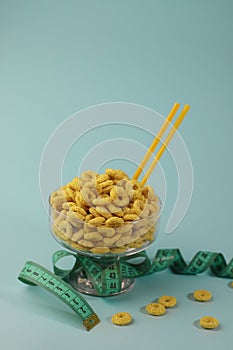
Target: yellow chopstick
x,y
165,144
156,140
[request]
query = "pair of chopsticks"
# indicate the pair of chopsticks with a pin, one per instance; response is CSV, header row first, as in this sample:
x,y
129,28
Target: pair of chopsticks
x,y
164,145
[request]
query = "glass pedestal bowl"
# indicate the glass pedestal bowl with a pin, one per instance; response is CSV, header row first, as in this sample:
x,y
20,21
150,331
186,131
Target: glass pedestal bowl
x,y
101,246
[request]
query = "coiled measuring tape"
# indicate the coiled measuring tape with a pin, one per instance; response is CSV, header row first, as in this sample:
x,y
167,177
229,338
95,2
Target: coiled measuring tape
x,y
35,274
108,280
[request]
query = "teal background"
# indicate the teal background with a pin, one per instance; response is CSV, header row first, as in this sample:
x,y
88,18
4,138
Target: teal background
x,y
58,57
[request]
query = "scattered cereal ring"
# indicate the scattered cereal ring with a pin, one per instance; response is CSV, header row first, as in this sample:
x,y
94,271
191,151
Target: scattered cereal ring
x,y
167,301
202,295
209,322
121,318
155,309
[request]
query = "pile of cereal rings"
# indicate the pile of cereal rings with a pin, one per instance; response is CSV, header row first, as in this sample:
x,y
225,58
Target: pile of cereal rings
x,y
104,213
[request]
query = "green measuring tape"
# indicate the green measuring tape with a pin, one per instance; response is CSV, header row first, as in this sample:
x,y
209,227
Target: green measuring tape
x,y
106,274
35,274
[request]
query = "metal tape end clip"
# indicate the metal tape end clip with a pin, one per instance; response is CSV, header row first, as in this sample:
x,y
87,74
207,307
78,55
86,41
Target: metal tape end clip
x,y
91,322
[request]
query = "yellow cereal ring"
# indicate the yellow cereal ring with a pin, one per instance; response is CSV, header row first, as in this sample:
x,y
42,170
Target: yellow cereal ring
x,y
167,301
89,217
145,212
74,184
59,234
121,318
79,199
114,209
103,211
106,231
102,178
116,174
68,205
148,192
70,194
130,217
93,236
109,241
202,295
77,235
78,246
75,215
106,183
74,220
155,309
128,211
106,190
57,202
86,243
209,322
118,250
136,185
66,228
124,240
149,236
152,209
100,250
78,209
94,212
101,201
60,217
88,175
89,228
114,221
119,196
136,244
97,221
113,193
138,206
124,228
88,195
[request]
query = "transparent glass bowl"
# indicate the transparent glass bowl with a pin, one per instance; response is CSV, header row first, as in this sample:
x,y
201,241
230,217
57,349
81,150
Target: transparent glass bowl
x,y
105,243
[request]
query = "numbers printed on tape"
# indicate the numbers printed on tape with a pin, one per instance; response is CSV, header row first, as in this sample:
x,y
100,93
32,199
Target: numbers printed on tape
x,y
33,273
108,280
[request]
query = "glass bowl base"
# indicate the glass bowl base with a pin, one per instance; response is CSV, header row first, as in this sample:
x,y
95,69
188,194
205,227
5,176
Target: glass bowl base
x,y
83,284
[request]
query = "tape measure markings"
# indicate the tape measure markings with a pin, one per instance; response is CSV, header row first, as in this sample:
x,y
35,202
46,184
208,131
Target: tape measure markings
x,y
35,274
